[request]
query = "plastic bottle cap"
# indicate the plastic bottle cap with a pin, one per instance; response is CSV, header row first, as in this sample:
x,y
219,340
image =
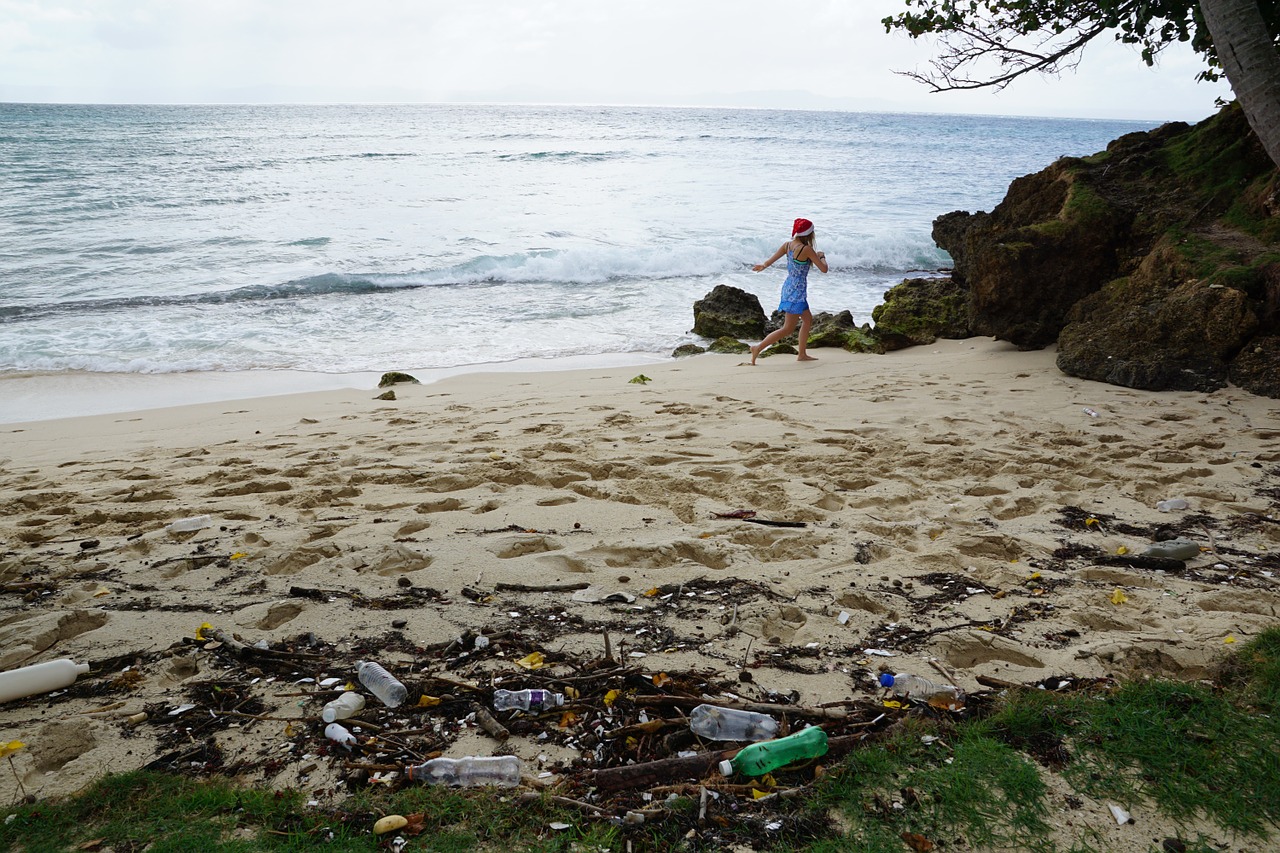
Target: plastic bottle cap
x,y
726,768
886,679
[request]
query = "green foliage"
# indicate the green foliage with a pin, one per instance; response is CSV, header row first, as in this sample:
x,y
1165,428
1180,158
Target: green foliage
x,y
990,42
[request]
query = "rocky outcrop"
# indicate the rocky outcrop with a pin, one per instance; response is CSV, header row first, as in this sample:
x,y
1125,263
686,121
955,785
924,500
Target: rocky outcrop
x,y
921,310
1154,264
729,311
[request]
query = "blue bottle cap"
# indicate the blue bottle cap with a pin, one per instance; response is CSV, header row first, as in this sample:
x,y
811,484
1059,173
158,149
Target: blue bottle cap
x,y
886,679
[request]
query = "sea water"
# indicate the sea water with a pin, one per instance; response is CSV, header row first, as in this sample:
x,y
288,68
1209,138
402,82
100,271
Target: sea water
x,y
348,238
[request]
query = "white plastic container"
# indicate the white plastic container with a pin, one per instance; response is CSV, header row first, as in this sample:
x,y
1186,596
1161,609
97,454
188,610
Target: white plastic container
x,y
381,683
502,771
186,525
39,678
340,735
714,723
347,705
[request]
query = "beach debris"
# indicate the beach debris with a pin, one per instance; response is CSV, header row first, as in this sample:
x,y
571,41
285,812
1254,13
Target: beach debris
x,y
1090,412
187,525
771,523
395,377
1174,549
639,379
39,678
390,823
737,513
1172,504
1122,817
1118,597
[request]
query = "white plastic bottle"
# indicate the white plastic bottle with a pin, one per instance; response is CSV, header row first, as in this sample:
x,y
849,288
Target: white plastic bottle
x,y
381,683
347,705
502,771
340,735
923,690
186,525
526,700
714,723
39,678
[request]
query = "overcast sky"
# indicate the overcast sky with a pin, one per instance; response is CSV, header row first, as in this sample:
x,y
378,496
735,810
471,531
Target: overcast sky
x,y
821,54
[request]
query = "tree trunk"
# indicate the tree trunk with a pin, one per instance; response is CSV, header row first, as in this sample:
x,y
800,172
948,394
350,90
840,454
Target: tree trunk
x,y
1252,65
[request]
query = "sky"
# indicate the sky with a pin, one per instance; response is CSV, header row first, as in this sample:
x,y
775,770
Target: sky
x,y
822,54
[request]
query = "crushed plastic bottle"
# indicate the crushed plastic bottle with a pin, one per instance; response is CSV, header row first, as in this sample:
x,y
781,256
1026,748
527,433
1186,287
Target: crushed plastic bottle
x,y
923,690
767,756
526,700
381,683
1172,504
186,525
714,723
347,705
502,771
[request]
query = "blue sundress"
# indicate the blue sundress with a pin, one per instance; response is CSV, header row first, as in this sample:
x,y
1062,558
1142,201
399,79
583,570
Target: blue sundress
x,y
795,290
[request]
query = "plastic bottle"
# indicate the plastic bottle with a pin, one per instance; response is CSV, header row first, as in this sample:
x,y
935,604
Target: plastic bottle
x,y
923,690
766,756
347,705
714,723
526,700
39,678
186,525
1172,504
502,771
340,735
381,683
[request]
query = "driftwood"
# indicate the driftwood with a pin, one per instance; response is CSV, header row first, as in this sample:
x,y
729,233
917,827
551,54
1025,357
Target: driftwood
x,y
242,650
671,770
770,523
1136,561
486,721
551,587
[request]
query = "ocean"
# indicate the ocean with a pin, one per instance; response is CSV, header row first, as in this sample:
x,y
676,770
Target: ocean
x,y
364,238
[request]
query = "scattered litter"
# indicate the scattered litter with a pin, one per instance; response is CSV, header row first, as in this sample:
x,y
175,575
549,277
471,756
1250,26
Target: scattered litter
x,y
1122,817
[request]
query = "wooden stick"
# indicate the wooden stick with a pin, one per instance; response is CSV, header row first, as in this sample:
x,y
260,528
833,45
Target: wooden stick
x,y
486,721
770,523
550,587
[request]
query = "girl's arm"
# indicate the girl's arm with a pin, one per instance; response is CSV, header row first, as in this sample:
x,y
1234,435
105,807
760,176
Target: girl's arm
x,y
782,250
819,258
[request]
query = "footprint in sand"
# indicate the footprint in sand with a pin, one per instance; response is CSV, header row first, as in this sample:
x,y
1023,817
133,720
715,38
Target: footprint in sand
x,y
24,636
965,651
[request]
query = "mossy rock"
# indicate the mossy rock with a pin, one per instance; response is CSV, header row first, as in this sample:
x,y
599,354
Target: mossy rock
x,y
395,378
780,348
386,395
727,344
923,310
687,349
864,340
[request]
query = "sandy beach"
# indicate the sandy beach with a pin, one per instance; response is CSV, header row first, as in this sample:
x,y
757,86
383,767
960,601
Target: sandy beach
x,y
954,498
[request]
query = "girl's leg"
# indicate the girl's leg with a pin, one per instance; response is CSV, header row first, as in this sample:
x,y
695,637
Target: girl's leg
x,y
776,335
806,323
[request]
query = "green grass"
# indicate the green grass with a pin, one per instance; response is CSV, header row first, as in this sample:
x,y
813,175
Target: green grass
x,y
1190,751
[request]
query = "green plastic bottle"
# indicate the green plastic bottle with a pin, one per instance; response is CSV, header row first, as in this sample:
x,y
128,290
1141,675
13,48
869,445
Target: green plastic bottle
x,y
760,758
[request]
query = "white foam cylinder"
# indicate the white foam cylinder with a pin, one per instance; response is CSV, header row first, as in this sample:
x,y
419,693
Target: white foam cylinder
x,y
39,678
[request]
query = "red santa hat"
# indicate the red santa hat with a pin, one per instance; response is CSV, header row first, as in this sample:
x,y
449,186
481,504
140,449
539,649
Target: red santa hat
x,y
802,228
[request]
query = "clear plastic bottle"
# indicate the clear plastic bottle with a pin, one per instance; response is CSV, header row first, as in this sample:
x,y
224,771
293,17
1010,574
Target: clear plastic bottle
x,y
714,723
526,700
340,735
1172,504
923,690
186,525
347,705
502,771
381,683
767,756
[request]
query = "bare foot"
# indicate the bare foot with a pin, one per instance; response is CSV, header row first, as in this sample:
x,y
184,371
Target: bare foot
x,y
755,353
805,358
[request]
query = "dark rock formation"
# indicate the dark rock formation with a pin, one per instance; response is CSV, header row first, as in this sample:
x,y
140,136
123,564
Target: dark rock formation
x,y
1257,368
728,345
728,311
1154,264
395,378
687,349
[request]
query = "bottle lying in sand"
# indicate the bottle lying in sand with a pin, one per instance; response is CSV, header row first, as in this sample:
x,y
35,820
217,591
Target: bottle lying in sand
x,y
714,723
767,756
347,705
39,678
502,771
186,525
923,690
526,700
381,683
340,735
